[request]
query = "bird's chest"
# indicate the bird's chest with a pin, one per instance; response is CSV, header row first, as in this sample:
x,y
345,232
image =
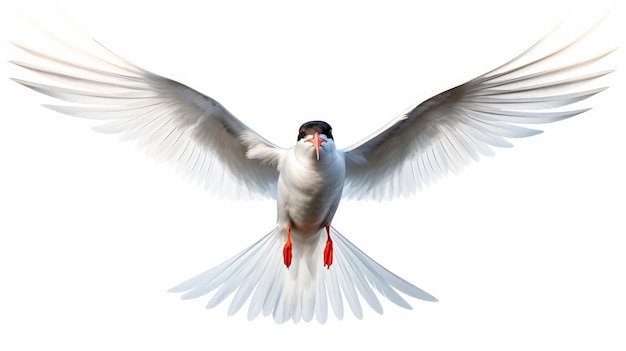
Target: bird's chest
x,y
309,196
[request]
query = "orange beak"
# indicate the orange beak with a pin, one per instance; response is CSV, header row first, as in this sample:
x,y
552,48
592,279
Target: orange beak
x,y
317,141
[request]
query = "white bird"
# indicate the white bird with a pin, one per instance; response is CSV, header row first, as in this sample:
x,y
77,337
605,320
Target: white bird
x,y
304,262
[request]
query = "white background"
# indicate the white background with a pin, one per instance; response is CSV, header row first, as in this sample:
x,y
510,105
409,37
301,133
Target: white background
x,y
524,250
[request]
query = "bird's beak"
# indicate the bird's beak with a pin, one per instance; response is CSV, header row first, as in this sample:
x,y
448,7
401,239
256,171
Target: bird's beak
x,y
317,141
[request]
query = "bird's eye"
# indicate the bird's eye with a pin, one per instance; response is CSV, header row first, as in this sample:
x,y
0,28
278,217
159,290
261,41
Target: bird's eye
x,y
300,134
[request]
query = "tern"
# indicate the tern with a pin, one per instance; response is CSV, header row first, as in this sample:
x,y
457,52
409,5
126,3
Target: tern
x,y
304,264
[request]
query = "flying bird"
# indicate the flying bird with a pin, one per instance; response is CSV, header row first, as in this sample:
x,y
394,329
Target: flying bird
x,y
304,264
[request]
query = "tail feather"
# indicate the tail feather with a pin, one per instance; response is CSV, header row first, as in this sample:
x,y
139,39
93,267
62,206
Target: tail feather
x,y
302,291
377,274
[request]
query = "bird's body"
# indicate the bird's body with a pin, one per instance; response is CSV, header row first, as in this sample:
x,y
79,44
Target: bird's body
x,y
304,264
309,190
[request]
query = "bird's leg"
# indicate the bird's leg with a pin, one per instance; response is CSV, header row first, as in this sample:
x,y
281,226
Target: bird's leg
x,y
287,249
328,250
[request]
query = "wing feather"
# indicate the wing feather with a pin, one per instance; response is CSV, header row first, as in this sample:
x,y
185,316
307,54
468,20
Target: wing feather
x,y
450,130
168,119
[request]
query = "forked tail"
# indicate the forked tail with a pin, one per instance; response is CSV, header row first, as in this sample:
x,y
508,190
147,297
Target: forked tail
x,y
303,290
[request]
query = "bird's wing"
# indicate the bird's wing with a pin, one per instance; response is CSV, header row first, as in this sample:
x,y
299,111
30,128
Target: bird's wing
x,y
447,131
175,122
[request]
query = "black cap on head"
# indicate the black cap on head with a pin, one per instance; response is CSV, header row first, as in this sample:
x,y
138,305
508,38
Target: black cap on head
x,y
309,128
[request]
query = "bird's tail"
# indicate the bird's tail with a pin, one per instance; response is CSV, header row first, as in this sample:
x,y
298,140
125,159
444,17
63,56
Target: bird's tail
x,y
304,289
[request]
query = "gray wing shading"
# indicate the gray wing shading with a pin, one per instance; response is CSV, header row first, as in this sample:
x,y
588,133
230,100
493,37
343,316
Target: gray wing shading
x,y
451,129
169,119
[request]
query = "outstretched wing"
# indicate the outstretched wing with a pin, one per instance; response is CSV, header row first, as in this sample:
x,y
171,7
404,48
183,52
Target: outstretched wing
x,y
171,120
447,131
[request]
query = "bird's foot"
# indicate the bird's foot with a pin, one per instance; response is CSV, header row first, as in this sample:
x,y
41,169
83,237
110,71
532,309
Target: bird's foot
x,y
287,249
328,250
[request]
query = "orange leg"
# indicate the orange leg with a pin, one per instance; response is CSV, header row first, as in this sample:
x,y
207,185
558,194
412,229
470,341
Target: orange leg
x,y
328,250
287,249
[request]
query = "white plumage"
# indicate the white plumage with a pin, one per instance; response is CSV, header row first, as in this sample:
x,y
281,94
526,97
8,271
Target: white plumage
x,y
198,135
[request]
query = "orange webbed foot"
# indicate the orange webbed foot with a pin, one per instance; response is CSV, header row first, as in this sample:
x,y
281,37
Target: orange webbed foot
x,y
287,249
328,250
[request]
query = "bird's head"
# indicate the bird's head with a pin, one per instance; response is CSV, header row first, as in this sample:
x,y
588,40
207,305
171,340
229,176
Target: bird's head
x,y
316,135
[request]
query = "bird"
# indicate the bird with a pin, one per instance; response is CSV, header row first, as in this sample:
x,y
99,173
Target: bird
x,y
304,264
